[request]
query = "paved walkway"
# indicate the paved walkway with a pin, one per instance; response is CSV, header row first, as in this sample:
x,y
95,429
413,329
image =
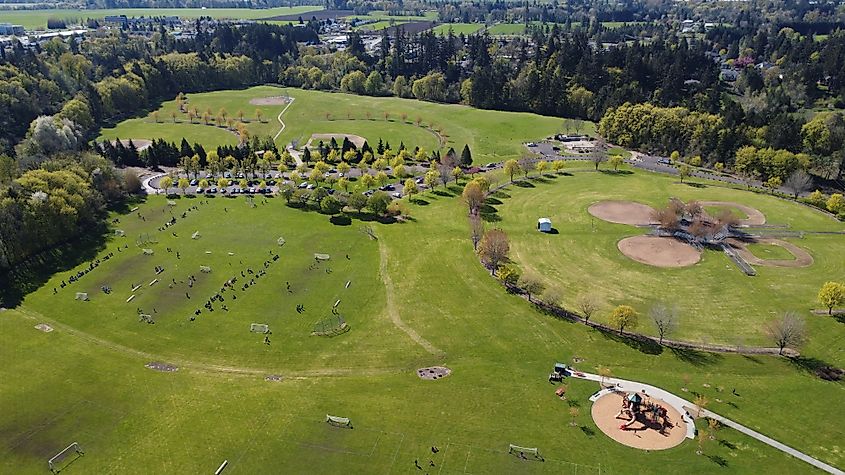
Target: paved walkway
x,y
685,407
279,118
149,189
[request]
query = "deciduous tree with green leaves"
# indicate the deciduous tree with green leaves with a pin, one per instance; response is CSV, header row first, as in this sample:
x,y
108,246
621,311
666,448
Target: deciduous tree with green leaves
x,y
624,316
832,295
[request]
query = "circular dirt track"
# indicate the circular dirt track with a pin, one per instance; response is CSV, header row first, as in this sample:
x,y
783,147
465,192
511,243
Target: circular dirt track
x,y
802,257
270,101
642,434
622,212
755,217
659,251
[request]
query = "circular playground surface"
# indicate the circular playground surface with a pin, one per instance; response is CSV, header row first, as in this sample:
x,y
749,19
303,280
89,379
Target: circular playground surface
x,y
754,216
802,257
622,212
659,251
434,372
270,101
660,434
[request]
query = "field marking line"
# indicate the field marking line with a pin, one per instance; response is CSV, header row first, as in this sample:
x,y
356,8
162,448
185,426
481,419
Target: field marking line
x,y
398,448
199,366
443,462
279,118
393,311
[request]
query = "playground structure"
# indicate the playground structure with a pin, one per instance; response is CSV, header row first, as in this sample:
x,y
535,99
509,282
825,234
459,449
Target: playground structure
x,y
638,420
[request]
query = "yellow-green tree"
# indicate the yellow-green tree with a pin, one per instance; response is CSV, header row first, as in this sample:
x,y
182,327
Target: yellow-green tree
x,y
409,188
836,203
831,295
222,183
512,168
624,316
184,183
343,167
367,180
615,161
542,166
166,183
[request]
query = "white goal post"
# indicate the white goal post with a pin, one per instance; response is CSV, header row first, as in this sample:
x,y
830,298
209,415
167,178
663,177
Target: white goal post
x,y
338,421
516,449
259,328
73,448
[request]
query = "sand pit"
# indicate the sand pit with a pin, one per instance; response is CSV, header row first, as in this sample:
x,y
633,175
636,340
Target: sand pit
x,y
642,434
270,101
659,251
326,138
434,372
802,257
163,367
755,217
622,212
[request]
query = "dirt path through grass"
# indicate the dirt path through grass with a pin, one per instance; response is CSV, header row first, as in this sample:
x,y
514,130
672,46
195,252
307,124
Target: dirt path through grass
x,y
393,311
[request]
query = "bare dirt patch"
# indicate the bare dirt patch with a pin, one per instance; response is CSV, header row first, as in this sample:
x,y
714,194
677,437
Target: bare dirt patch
x,y
644,433
434,372
163,367
355,139
802,257
44,327
755,217
659,251
270,101
622,212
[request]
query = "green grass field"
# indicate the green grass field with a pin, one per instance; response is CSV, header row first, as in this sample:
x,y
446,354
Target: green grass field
x,y
380,25
37,19
718,303
384,16
458,28
770,251
86,381
492,136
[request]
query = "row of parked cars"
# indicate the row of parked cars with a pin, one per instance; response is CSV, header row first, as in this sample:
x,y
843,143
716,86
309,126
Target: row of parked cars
x,y
234,191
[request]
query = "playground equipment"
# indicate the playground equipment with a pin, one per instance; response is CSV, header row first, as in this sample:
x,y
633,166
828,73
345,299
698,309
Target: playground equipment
x,y
558,373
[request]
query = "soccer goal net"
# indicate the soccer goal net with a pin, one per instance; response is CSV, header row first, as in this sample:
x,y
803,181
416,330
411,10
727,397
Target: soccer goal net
x,y
82,296
331,326
57,461
523,451
338,421
259,328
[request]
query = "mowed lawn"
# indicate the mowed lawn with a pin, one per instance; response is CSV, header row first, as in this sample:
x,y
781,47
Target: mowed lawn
x,y
492,135
37,19
717,302
86,381
457,28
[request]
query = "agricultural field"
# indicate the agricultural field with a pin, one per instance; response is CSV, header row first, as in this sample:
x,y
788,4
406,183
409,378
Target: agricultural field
x,y
37,19
457,28
406,309
384,16
493,136
718,303
380,25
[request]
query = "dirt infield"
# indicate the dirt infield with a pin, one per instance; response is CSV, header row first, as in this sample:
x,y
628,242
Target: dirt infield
x,y
802,257
270,101
622,212
355,139
659,251
755,217
642,434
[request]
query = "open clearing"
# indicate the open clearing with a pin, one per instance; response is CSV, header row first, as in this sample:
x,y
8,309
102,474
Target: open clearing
x,y
218,405
717,302
37,19
492,136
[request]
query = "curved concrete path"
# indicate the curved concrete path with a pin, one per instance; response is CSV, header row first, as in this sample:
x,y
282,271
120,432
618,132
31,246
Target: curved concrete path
x,y
149,189
685,407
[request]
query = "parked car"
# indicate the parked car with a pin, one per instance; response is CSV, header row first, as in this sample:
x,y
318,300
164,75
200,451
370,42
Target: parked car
x,y
193,182
199,191
531,144
396,195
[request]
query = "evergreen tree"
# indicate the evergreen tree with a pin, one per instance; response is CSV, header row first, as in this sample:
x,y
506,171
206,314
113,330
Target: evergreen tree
x,y
466,157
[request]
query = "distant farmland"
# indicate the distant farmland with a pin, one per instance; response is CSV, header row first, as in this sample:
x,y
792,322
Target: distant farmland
x,y
320,15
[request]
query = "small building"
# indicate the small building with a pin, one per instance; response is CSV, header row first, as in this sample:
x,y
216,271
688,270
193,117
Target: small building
x,y
7,29
544,225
